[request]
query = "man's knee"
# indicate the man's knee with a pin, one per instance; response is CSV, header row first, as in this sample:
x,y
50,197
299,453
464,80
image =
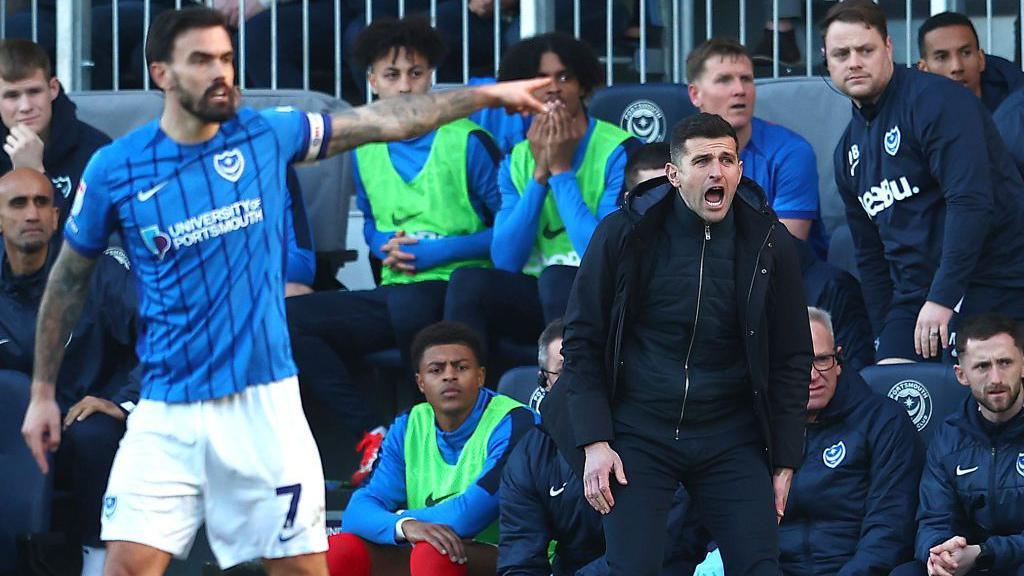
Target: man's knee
x,y
133,559
469,283
94,439
912,568
425,560
347,555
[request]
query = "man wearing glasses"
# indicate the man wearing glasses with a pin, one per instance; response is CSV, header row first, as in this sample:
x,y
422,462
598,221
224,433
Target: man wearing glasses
x,y
856,490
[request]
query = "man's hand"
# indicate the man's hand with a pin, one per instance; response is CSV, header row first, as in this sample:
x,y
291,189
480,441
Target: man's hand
x,y
41,428
397,259
782,479
954,557
932,329
25,148
91,405
296,289
537,136
230,9
515,96
601,462
564,137
440,536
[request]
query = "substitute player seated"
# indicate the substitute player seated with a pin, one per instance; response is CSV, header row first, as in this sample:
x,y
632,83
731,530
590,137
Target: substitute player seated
x,y
431,506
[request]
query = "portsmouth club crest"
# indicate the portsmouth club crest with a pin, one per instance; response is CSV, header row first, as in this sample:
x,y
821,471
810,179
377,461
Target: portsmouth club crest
x,y
156,241
62,184
891,141
229,164
109,506
645,120
834,455
1020,463
915,399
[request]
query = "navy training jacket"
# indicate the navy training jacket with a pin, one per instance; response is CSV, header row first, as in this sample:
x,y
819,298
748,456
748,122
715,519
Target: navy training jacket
x,y
973,486
852,502
922,165
99,352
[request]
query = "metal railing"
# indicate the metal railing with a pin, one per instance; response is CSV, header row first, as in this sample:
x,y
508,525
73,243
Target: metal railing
x,y
641,55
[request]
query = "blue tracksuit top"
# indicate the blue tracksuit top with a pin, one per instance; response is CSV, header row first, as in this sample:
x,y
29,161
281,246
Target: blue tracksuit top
x,y
973,486
408,157
375,508
1000,78
851,505
1009,119
923,164
515,227
782,162
98,353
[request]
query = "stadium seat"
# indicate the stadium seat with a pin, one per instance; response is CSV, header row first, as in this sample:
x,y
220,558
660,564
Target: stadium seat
x,y
326,185
648,111
813,108
928,390
26,508
840,251
519,383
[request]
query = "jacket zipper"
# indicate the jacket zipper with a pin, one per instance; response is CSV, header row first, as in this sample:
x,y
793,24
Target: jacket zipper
x,y
992,486
693,333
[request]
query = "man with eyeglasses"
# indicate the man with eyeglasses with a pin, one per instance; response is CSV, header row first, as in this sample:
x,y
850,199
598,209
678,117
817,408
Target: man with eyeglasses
x,y
856,490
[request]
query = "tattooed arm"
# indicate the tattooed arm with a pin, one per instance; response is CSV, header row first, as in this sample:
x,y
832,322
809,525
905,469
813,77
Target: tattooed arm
x,y
66,291
409,116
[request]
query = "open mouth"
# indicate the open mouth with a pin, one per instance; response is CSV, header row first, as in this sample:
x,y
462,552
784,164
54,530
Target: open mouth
x,y
738,106
218,94
714,197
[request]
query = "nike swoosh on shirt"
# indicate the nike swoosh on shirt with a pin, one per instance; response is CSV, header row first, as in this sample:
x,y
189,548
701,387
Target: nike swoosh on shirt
x,y
402,221
432,502
4,341
147,194
961,471
552,234
552,492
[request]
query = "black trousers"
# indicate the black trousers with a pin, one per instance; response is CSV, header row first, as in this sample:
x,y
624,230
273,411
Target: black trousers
x,y
498,304
330,331
723,465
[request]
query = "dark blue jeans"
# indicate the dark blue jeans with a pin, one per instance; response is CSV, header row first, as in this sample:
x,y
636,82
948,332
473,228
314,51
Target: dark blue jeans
x,y
332,331
508,306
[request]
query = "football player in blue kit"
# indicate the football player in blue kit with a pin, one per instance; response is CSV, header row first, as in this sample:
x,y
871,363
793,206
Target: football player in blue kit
x,y
198,198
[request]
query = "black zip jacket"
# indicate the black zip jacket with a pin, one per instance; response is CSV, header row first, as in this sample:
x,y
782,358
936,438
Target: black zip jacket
x,y
71,144
615,269
973,486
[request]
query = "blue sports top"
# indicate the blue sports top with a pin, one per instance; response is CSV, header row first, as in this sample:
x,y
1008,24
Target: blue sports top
x,y
203,225
782,162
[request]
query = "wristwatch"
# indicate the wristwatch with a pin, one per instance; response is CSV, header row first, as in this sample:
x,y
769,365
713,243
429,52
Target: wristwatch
x,y
985,558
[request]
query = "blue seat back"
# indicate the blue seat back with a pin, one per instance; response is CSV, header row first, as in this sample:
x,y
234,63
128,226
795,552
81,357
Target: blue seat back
x,y
519,383
648,111
928,391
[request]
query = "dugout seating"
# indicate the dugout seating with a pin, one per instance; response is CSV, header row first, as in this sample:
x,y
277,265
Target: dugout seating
x,y
929,391
519,383
821,117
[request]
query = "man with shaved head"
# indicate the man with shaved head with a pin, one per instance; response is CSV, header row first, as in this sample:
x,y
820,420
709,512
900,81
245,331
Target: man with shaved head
x,y
94,398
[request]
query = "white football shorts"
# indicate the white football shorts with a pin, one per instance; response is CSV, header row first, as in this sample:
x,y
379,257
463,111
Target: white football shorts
x,y
246,464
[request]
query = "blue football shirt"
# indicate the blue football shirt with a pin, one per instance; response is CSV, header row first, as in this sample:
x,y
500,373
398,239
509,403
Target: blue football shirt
x,y
203,225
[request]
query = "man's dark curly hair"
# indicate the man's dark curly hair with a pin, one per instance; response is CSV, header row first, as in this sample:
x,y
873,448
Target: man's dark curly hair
x,y
442,333
414,34
522,60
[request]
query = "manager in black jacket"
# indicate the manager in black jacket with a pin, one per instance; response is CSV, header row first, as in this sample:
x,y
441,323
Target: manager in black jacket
x,y
686,355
